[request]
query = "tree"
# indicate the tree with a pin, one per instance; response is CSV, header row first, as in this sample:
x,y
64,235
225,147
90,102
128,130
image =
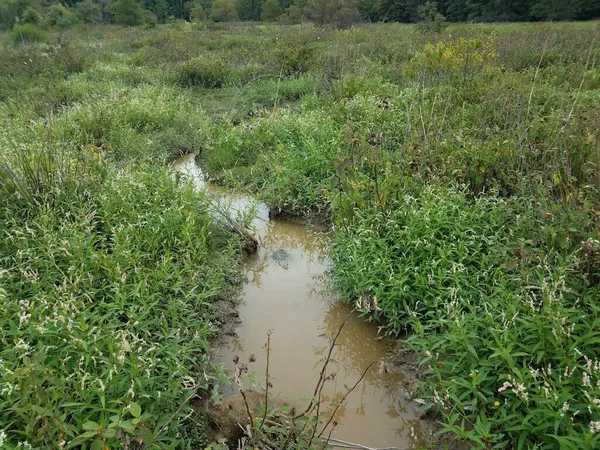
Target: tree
x,y
127,12
552,10
223,11
32,16
88,11
60,17
397,10
270,11
249,9
322,11
196,11
430,20
161,10
345,17
292,15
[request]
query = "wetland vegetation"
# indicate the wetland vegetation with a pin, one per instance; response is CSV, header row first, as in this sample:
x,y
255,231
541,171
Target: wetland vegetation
x,y
459,170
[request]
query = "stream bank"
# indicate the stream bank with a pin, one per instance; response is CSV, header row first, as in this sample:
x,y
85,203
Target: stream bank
x,y
286,293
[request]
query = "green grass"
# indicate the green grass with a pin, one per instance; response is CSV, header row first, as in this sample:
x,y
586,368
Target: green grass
x,y
459,171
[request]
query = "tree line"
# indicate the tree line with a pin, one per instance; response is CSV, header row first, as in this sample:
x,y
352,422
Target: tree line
x,y
66,13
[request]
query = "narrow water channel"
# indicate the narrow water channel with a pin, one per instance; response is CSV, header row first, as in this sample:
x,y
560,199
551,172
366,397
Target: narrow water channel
x,y
285,292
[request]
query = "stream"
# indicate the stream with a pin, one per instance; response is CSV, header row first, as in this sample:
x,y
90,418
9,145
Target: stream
x,y
286,292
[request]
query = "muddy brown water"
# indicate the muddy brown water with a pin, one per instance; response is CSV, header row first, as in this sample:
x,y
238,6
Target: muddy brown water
x,y
285,292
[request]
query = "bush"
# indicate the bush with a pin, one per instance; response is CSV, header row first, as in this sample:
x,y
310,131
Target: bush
x,y
206,72
291,159
88,11
429,19
345,17
32,16
223,11
270,11
128,12
426,247
60,17
27,33
291,16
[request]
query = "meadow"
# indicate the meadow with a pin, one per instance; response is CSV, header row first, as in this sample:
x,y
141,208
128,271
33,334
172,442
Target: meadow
x,y
459,171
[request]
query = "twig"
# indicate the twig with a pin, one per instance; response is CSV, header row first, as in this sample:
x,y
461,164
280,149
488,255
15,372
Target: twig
x,y
348,392
277,91
324,368
238,381
267,382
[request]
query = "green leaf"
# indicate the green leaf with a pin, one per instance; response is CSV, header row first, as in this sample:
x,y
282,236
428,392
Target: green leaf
x,y
98,444
135,410
91,426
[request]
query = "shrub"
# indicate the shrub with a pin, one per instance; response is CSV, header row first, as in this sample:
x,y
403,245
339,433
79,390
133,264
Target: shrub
x,y
454,62
32,16
27,33
429,19
223,11
197,12
292,15
209,72
127,12
88,11
60,17
270,11
426,247
345,17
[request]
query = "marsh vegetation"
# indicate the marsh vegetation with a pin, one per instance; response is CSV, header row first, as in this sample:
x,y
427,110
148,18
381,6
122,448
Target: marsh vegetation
x,y
459,170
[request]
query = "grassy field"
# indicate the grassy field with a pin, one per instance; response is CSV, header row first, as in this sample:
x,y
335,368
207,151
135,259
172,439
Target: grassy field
x,y
460,172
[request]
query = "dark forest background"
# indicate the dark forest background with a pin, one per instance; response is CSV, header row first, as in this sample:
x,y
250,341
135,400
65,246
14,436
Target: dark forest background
x,y
49,13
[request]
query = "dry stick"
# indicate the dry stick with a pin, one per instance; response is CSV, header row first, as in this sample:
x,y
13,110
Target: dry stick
x,y
317,412
422,121
324,368
238,381
348,392
408,128
267,382
537,71
235,225
326,441
277,92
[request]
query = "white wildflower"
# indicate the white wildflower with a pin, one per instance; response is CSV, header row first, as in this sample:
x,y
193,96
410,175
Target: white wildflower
x,y
505,386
